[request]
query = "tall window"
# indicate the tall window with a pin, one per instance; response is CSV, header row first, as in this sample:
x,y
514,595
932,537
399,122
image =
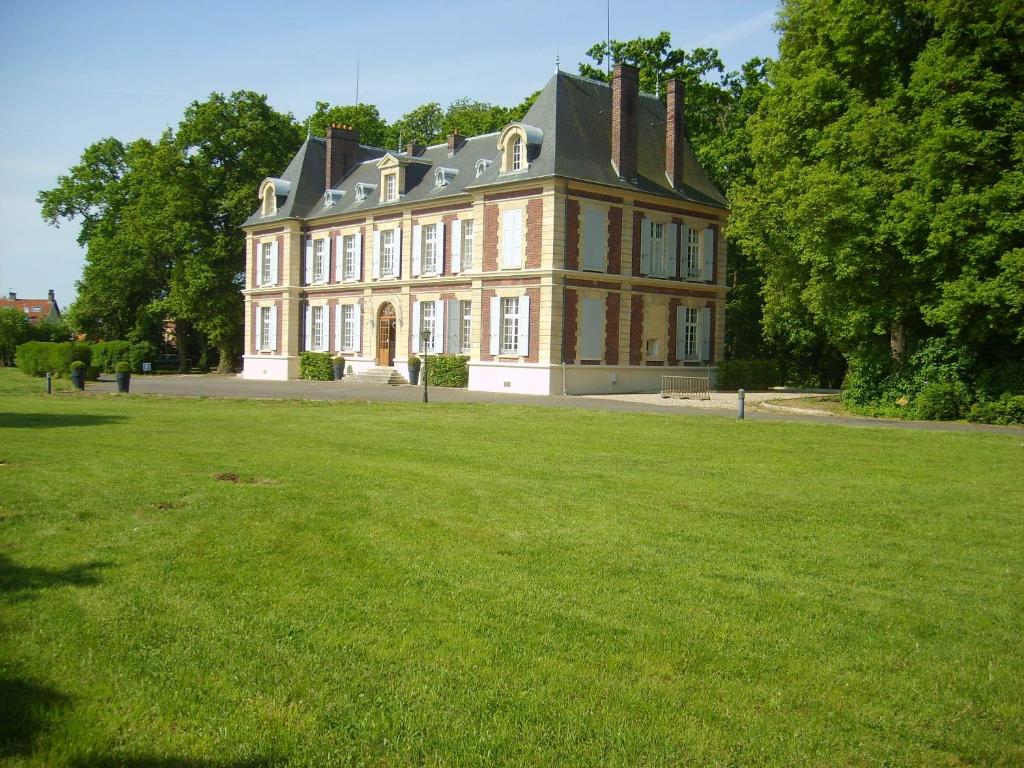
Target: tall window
x,y
348,326
517,153
658,266
690,334
693,254
319,332
348,264
390,187
467,244
429,266
265,269
509,344
265,329
466,328
512,238
387,253
319,261
428,324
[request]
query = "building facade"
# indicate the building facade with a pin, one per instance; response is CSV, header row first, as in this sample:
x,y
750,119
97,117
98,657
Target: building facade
x,y
580,250
36,310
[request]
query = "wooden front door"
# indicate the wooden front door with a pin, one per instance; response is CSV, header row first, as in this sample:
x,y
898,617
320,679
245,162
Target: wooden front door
x,y
386,335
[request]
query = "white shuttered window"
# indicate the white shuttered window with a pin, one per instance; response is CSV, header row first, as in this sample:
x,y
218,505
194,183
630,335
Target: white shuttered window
x,y
592,329
595,239
512,238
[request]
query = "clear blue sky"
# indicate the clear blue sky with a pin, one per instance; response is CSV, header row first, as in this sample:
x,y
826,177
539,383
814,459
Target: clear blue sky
x,y
74,72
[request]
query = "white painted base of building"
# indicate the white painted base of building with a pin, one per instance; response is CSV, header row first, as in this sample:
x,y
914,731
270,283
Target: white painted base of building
x,y
270,367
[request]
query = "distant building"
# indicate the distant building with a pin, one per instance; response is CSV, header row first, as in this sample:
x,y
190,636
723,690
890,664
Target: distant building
x,y
579,250
36,310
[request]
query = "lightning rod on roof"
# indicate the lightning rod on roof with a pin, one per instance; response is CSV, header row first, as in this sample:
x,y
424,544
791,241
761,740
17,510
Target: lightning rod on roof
x,y
558,67
608,35
357,80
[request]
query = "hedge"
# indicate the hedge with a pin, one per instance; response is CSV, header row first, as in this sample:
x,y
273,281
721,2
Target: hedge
x,y
448,370
316,366
107,354
37,357
1008,409
748,374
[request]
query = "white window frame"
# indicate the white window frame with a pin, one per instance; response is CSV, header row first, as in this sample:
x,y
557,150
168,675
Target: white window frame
x,y
321,258
465,327
348,263
481,166
265,342
694,262
659,262
390,187
468,234
429,263
266,271
512,238
691,333
387,253
509,329
318,328
428,324
348,327
517,146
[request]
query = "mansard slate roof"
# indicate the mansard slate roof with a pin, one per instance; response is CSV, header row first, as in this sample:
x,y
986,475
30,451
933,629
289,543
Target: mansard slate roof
x,y
573,115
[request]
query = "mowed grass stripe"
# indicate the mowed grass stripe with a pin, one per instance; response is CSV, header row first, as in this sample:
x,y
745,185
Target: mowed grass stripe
x,y
453,585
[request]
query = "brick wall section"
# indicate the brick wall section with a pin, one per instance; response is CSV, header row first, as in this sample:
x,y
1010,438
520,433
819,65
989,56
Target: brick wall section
x,y
253,342
278,345
611,329
485,324
534,232
572,234
531,192
534,294
637,225
490,238
569,327
625,117
365,258
673,342
636,329
614,241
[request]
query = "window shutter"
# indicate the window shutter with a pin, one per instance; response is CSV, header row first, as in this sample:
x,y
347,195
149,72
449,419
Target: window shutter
x,y
415,328
709,255
309,260
357,329
417,249
456,246
440,248
309,329
512,234
337,328
705,334
258,323
454,316
273,263
359,256
495,324
258,261
673,250
592,337
523,348
645,246
684,251
339,258
273,328
680,332
595,236
398,251
437,342
376,255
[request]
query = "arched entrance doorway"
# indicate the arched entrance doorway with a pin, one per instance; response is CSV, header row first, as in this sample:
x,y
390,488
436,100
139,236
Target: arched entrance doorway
x,y
386,334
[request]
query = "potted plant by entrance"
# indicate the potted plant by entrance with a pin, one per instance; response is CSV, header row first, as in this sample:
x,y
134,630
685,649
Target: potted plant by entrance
x,y
414,369
338,365
77,374
123,374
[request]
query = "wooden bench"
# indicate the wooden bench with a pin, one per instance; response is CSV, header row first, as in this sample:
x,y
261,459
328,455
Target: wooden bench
x,y
686,387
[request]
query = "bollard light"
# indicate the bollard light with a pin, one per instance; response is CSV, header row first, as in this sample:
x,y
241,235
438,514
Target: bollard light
x,y
739,403
49,383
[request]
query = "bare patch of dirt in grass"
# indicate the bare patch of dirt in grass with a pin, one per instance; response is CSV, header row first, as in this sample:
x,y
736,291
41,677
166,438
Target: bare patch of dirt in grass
x,y
231,477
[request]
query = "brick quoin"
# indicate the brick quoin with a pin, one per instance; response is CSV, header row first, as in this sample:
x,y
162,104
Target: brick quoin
x,y
485,324
534,351
332,256
636,329
534,232
278,347
614,241
490,239
329,309
572,234
637,224
569,327
673,341
280,262
611,329
252,336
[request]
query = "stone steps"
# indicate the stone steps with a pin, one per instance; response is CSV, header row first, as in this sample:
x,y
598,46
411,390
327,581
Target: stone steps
x,y
380,375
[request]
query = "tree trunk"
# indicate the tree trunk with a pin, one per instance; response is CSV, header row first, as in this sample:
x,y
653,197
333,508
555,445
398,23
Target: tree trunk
x,y
227,357
897,341
181,331
204,354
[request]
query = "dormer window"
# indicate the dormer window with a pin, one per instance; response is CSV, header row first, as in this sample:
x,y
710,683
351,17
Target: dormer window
x,y
332,196
390,187
517,154
362,190
444,176
517,143
269,202
270,191
481,166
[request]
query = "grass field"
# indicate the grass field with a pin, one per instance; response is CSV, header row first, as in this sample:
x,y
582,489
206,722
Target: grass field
x,y
229,583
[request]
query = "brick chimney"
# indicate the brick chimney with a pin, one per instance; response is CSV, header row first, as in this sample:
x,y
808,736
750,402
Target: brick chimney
x,y
414,150
625,106
12,296
52,297
456,141
342,153
675,131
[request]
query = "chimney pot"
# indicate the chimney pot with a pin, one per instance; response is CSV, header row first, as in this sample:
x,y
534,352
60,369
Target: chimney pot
x,y
415,150
456,141
675,131
342,154
51,295
625,119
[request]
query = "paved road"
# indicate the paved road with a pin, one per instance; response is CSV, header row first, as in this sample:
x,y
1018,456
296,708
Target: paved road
x,y
213,385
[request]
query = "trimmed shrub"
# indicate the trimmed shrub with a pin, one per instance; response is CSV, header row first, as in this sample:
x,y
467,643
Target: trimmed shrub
x,y
141,352
107,354
748,374
942,401
37,357
123,367
1008,409
316,366
448,370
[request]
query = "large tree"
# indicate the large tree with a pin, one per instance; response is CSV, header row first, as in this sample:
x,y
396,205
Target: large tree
x,y
887,201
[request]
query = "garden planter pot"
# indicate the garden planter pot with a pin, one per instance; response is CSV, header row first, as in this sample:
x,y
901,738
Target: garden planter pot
x,y
78,379
414,372
339,372
123,380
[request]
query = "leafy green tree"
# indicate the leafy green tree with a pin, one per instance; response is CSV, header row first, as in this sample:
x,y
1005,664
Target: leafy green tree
x,y
423,125
14,330
373,129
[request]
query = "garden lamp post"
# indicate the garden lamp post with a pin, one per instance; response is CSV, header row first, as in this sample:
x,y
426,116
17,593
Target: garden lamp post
x,y
425,343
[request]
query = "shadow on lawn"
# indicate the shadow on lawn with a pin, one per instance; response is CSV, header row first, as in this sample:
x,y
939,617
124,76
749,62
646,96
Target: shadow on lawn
x,y
15,578
26,708
40,420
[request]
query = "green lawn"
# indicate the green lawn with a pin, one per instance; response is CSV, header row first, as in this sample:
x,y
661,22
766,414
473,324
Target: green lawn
x,y
478,585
